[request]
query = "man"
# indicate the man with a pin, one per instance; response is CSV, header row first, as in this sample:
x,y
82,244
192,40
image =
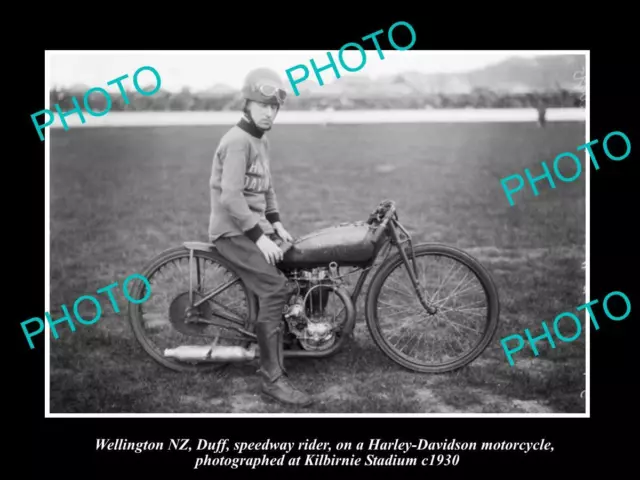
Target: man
x,y
542,112
245,222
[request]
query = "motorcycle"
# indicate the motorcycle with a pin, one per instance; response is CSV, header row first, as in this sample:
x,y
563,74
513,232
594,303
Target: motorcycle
x,y
199,318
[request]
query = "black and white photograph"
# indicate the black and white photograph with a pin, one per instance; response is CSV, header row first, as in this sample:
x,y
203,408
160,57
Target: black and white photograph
x,y
251,234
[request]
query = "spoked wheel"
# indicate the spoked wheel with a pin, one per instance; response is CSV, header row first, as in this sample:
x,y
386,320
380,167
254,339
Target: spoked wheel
x,y
464,295
168,319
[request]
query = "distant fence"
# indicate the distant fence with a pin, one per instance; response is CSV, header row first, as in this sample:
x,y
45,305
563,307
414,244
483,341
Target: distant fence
x,y
464,115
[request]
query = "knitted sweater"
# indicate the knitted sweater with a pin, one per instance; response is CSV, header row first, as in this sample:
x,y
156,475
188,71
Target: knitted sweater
x,y
243,200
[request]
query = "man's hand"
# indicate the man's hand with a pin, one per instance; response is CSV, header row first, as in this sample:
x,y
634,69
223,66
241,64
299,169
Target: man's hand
x,y
272,253
280,230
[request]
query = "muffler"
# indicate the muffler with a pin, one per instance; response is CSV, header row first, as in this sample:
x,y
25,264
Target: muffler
x,y
212,353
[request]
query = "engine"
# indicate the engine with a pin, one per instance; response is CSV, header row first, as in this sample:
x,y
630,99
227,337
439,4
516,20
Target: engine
x,y
311,312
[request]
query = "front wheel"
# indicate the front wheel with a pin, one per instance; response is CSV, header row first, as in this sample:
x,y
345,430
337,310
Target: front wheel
x,y
469,307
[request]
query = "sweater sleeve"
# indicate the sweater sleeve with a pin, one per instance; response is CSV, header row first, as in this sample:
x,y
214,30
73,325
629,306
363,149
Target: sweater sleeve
x,y
272,210
233,160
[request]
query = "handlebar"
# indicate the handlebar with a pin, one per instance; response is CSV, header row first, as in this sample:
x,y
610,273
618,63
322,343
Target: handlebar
x,y
383,213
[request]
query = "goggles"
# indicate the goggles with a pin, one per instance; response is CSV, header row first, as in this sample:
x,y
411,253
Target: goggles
x,y
271,91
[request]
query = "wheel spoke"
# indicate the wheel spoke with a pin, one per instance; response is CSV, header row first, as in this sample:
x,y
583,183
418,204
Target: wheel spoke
x,y
407,292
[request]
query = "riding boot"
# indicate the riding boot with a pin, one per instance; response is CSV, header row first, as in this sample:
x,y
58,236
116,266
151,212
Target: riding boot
x,y
275,382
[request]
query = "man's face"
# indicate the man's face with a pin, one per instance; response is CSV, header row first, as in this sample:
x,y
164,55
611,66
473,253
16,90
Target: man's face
x,y
263,114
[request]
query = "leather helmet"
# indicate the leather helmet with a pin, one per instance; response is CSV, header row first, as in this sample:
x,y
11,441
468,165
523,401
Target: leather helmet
x,y
265,86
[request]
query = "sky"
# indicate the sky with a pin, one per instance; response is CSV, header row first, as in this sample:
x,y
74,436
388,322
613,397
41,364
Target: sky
x,y
200,69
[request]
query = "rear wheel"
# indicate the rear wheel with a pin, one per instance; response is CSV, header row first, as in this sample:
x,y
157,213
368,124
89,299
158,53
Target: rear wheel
x,y
162,323
469,307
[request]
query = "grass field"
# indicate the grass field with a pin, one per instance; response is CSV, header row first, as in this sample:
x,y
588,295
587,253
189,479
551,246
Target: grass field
x,y
119,196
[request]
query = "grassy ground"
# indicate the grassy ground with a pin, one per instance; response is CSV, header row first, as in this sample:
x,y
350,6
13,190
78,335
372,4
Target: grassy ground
x,y
119,196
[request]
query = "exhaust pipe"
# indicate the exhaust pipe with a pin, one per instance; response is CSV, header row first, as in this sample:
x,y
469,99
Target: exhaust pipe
x,y
211,353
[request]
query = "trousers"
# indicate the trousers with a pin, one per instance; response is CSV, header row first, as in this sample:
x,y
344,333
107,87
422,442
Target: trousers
x,y
269,284
266,281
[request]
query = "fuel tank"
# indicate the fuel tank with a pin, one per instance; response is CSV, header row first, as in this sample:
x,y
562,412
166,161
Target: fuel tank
x,y
347,244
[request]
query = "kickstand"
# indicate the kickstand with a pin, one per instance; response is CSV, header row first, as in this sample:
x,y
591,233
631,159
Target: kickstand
x,y
213,345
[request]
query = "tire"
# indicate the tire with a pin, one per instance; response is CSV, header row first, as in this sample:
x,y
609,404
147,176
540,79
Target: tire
x,y
135,311
481,273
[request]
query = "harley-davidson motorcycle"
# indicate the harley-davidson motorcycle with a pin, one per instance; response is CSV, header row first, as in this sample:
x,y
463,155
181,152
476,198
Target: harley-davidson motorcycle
x,y
196,326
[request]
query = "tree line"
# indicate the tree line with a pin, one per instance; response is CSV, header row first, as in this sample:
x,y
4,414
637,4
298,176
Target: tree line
x,y
201,101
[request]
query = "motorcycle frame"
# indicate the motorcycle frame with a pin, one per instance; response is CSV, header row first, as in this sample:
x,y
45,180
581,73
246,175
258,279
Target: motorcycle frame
x,y
389,232
386,234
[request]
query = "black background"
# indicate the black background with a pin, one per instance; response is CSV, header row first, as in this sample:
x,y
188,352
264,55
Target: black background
x,y
66,447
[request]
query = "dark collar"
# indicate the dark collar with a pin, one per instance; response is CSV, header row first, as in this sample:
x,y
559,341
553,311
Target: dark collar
x,y
250,128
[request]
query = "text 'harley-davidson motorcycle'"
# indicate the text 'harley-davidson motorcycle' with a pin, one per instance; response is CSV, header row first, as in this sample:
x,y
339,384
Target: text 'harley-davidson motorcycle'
x,y
207,319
